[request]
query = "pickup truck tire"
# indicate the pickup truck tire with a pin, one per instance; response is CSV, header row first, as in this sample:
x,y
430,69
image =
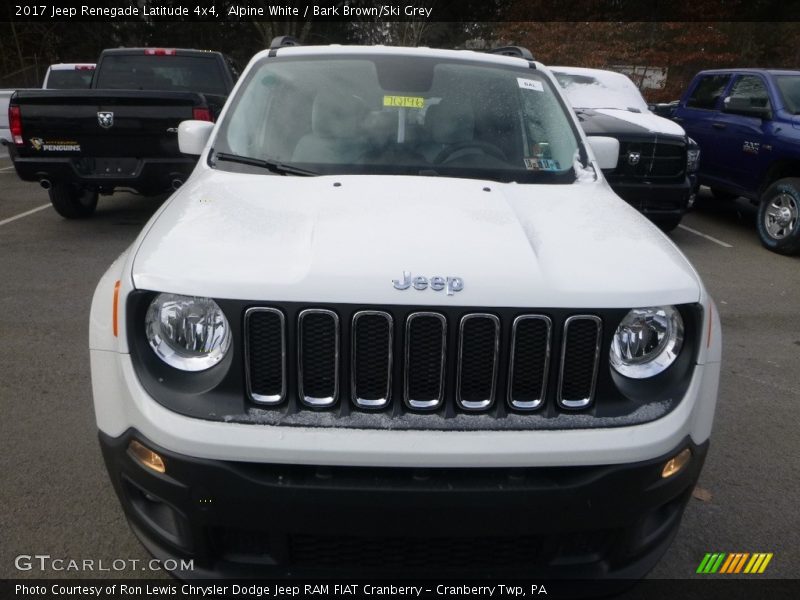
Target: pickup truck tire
x,y
667,224
779,216
73,202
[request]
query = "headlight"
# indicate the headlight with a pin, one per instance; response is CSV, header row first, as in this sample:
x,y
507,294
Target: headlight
x,y
647,341
186,332
692,156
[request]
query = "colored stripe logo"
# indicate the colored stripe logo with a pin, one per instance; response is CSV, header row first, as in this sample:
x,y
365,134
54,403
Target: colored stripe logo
x,y
734,562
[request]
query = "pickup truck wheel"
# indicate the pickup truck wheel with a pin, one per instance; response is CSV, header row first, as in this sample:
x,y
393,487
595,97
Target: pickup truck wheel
x,y
73,202
779,216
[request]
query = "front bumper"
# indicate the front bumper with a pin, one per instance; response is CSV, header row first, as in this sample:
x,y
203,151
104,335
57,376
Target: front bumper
x,y
655,199
240,519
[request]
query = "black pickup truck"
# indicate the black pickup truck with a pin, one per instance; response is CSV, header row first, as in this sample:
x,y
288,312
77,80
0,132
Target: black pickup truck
x,y
656,170
122,132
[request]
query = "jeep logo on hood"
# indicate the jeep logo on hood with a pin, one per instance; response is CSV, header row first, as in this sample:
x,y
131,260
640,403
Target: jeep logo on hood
x,y
437,283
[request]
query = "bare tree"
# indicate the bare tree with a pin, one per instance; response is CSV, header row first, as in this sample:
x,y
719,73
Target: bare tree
x,y
374,30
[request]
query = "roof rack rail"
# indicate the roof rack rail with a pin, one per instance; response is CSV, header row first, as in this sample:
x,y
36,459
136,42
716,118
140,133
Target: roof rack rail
x,y
517,51
282,41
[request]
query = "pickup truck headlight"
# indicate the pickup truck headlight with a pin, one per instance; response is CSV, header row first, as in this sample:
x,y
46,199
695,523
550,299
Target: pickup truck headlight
x,y
692,156
187,332
647,341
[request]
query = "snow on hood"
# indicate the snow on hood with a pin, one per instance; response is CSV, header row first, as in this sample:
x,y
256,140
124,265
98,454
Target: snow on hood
x,y
273,238
596,88
611,94
648,121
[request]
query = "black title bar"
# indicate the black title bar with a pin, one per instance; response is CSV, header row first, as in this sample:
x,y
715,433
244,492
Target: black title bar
x,y
402,10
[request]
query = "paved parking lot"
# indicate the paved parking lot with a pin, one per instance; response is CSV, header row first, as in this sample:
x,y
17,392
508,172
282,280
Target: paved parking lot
x,y
56,498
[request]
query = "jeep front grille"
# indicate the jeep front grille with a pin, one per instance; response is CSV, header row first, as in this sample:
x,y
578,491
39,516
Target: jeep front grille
x,y
580,353
372,358
318,357
265,355
530,361
420,361
478,349
426,353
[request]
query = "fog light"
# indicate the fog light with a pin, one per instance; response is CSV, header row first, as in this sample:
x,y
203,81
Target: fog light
x,y
676,463
146,457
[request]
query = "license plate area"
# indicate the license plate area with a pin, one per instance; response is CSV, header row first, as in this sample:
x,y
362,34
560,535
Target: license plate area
x,y
108,167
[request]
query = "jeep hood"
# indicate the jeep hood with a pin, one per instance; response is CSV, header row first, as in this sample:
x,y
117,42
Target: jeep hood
x,y
345,238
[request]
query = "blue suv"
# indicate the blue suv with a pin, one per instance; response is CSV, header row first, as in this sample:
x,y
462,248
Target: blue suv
x,y
747,123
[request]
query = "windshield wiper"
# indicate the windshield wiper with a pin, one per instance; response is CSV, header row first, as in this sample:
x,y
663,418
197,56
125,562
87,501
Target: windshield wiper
x,y
629,108
275,167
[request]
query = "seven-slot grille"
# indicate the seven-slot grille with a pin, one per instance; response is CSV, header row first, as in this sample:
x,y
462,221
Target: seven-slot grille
x,y
418,341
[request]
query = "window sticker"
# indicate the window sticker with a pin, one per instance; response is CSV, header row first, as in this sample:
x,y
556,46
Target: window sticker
x,y
541,164
404,101
530,84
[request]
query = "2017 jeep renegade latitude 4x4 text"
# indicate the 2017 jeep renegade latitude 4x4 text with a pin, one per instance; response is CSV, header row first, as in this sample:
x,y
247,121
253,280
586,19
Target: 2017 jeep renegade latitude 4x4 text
x,y
397,320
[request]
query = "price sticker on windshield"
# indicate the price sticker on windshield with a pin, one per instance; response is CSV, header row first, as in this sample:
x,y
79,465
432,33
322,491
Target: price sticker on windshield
x,y
404,101
530,84
541,164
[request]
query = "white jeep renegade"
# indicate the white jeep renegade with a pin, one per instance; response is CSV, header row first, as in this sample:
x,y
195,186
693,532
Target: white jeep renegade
x,y
397,321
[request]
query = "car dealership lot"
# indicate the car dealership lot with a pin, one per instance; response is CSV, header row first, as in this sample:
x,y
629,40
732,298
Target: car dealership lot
x,y
58,500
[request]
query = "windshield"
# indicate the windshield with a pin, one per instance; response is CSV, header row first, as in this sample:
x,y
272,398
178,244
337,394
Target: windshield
x,y
790,90
600,89
400,115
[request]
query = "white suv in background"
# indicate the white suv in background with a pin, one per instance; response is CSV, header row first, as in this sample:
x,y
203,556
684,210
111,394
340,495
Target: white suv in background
x,y
68,76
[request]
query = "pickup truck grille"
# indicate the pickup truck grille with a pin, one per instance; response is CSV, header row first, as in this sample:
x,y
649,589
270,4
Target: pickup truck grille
x,y
656,161
420,361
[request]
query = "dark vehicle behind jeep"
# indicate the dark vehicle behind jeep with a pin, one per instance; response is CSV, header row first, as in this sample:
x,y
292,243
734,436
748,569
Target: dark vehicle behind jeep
x,y
122,132
657,161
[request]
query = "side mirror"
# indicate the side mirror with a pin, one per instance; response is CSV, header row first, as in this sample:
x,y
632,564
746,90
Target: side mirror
x,y
743,106
193,136
606,151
